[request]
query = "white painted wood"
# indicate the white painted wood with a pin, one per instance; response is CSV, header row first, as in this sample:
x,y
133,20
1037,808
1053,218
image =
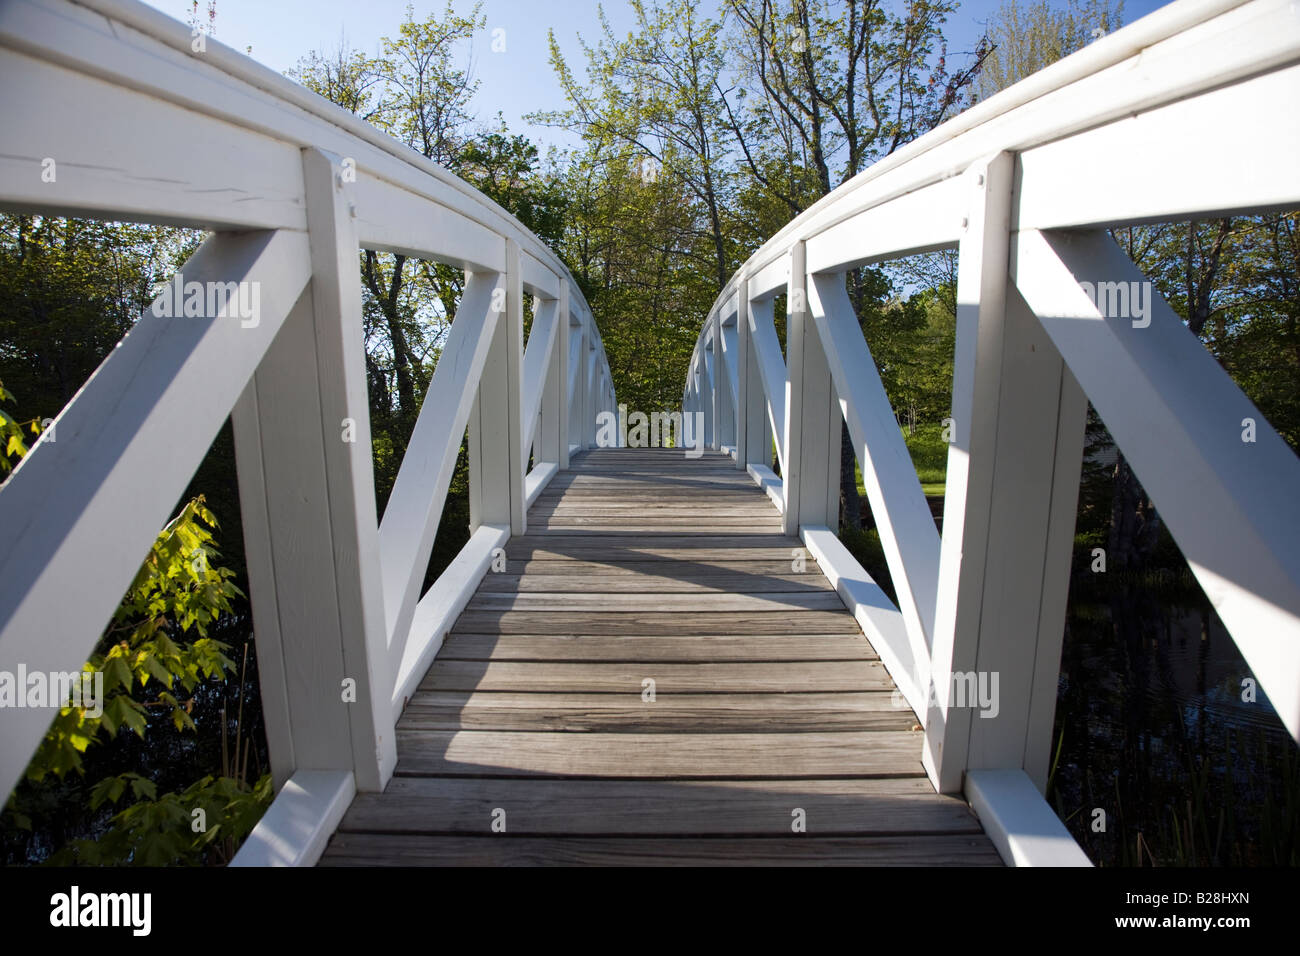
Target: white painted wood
x,y
767,479
1013,484
76,513
1019,822
707,396
1139,170
576,351
354,523
496,430
727,410
920,221
1230,505
439,608
766,348
538,479
907,532
590,383
880,620
556,401
297,826
717,381
303,438
746,377
410,522
537,366
768,279
813,415
538,279
229,95
233,161
977,373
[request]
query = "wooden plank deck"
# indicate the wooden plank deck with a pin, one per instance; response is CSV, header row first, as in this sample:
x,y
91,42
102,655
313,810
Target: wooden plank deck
x,y
769,704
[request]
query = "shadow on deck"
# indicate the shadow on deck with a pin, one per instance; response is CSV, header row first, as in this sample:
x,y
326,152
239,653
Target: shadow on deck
x,y
651,681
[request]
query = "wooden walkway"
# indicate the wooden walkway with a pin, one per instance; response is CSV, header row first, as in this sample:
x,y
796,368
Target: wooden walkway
x,y
769,707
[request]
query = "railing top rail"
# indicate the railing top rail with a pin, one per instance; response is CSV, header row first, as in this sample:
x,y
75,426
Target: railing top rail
x,y
15,32
979,131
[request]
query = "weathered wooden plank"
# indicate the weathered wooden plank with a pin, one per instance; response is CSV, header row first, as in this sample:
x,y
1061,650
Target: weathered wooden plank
x,y
358,849
680,713
648,622
657,648
627,600
767,698
657,807
662,575
557,548
652,525
725,582
885,753
618,678
620,507
613,539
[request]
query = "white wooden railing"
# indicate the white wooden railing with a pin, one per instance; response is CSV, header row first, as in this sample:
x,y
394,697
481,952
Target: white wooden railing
x,y
142,127
1187,114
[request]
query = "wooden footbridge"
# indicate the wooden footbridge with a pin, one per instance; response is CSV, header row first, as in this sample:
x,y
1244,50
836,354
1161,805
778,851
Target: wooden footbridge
x,y
650,655
648,682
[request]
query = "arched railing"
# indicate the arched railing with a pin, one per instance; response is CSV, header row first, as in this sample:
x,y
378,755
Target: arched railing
x,y
1186,114
138,125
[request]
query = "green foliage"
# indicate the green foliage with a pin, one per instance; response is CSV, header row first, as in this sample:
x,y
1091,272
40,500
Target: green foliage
x,y
157,645
929,451
204,822
11,433
1026,38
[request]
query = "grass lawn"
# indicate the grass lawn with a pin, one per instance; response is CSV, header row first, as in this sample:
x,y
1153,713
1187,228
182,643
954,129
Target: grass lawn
x,y
929,456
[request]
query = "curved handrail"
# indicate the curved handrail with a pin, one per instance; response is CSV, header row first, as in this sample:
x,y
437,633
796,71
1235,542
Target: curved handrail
x,y
1024,185
290,186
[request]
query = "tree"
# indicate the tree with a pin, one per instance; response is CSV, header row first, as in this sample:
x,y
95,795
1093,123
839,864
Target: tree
x,y
658,93
836,92
1028,38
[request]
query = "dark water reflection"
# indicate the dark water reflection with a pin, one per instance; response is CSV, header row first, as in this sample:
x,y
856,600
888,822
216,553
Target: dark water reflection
x,y
1157,730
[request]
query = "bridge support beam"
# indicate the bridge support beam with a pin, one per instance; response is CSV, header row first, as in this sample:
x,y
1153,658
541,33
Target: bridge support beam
x,y
75,511
496,453
812,431
302,434
753,428
554,426
1223,478
1012,490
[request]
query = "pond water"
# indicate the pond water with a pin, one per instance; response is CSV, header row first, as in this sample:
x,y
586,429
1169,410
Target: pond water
x,y
1163,728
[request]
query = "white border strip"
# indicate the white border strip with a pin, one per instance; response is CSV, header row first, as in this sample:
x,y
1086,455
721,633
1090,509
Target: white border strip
x,y
1019,822
300,821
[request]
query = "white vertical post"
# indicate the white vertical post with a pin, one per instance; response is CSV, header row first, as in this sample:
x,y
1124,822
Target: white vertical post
x,y
590,400
302,432
496,463
718,379
555,402
1012,488
746,379
767,383
577,348
812,431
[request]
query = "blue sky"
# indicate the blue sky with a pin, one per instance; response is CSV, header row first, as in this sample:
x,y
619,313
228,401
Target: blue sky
x,y
515,82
